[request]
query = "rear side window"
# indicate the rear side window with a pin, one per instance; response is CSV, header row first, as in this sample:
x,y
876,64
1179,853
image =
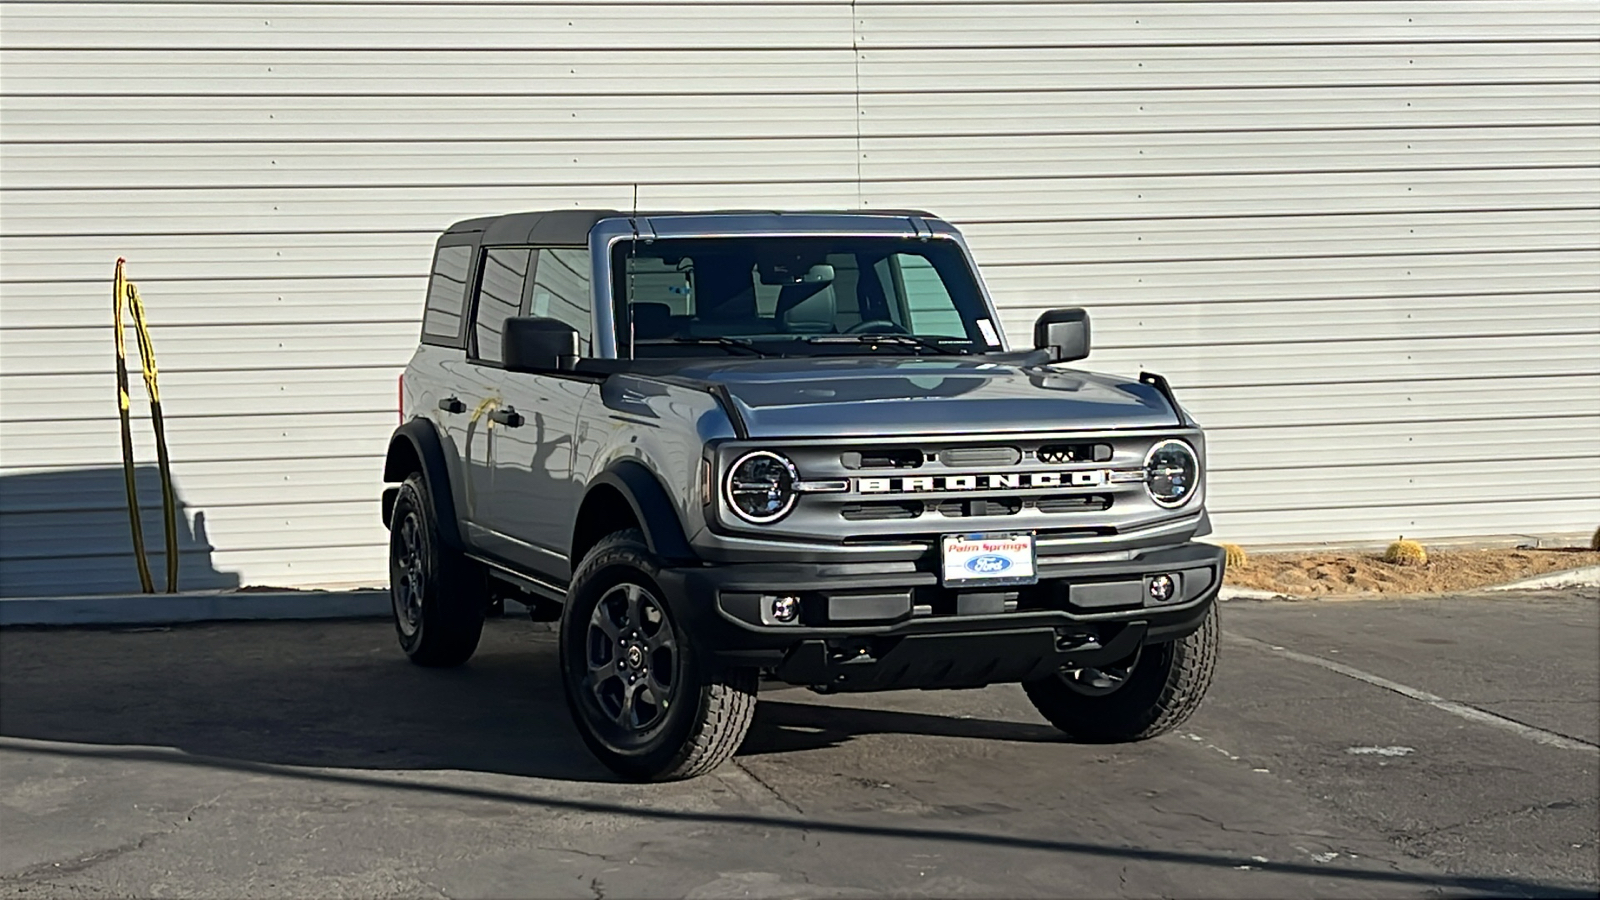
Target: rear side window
x,y
505,270
445,313
561,290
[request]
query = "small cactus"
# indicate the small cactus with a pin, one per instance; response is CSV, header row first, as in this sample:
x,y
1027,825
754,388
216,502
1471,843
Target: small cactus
x,y
1594,542
1406,553
1235,555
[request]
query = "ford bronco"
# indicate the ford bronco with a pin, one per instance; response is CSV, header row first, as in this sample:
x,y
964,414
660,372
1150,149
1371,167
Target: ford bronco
x,y
726,446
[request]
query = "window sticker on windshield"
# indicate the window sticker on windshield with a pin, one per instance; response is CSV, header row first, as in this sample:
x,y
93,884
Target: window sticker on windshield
x,y
989,334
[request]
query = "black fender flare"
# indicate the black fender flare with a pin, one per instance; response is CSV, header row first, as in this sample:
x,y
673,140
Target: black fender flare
x,y
658,518
419,438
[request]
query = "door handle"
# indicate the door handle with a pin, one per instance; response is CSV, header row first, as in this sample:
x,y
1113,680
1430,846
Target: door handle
x,y
452,405
508,417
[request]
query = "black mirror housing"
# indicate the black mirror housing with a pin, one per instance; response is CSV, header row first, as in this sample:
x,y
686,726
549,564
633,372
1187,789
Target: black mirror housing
x,y
537,344
1064,333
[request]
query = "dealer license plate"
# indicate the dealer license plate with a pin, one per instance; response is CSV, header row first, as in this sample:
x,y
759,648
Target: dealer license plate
x,y
989,559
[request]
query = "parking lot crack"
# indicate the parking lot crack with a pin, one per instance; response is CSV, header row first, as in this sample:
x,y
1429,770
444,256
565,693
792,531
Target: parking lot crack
x,y
41,871
83,863
789,804
1530,809
1223,826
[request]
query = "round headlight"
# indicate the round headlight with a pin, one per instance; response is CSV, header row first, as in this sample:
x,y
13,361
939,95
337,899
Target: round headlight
x,y
760,487
1171,473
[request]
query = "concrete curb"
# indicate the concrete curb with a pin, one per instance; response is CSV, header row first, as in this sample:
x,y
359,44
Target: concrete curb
x,y
1586,576
1238,593
211,606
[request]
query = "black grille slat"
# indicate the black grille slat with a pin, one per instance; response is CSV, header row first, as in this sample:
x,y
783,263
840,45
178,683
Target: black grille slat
x,y
1057,454
1073,503
887,458
975,457
876,512
1002,506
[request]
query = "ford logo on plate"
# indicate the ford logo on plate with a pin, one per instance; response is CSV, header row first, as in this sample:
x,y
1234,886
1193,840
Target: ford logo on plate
x,y
988,564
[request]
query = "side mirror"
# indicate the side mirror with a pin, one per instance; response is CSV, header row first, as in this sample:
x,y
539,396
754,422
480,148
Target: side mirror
x,y
1063,332
537,344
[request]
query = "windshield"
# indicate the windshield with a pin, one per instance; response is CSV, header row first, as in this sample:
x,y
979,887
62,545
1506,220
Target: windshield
x,y
797,296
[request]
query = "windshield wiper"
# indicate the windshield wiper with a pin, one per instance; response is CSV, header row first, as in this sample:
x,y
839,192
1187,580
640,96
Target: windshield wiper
x,y
905,340
743,344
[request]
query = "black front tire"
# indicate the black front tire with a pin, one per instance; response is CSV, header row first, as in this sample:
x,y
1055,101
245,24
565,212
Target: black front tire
x,y
641,694
1148,695
439,597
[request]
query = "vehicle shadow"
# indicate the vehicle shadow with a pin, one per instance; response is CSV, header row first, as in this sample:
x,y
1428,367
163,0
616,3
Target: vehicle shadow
x,y
337,701
341,694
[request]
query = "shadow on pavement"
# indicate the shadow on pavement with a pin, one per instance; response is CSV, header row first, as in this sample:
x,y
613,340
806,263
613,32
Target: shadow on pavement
x,y
259,697
1462,885
782,727
341,694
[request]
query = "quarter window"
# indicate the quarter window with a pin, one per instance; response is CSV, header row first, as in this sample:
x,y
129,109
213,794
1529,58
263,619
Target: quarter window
x,y
447,296
499,298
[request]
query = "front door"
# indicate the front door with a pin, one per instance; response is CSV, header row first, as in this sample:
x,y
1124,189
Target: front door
x,y
526,515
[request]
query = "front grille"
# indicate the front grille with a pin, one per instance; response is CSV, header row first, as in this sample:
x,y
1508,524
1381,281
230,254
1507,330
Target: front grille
x,y
880,489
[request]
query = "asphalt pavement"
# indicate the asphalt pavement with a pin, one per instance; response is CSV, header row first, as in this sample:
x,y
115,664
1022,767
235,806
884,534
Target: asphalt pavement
x,y
1366,748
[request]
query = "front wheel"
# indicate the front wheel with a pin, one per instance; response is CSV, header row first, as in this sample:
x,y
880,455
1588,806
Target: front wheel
x,y
1150,693
641,696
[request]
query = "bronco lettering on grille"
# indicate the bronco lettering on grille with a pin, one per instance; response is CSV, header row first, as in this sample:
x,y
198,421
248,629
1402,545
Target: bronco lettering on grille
x,y
924,484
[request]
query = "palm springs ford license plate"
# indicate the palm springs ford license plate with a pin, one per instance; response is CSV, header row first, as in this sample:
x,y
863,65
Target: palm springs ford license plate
x,y
989,559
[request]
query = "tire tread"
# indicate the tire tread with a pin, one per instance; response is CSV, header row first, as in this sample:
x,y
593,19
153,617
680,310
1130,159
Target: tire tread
x,y
727,700
453,619
1119,716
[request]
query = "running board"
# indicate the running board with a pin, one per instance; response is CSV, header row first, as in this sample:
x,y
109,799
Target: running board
x,y
533,586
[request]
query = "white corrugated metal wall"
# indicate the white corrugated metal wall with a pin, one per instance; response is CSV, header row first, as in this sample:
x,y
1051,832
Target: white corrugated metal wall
x,y
1362,238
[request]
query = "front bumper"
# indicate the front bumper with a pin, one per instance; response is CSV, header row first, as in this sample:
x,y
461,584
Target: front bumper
x,y
869,627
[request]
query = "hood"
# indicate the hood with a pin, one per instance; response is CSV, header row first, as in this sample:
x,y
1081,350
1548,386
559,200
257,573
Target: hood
x,y
861,397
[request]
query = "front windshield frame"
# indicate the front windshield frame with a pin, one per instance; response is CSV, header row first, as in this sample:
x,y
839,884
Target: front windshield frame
x,y
967,324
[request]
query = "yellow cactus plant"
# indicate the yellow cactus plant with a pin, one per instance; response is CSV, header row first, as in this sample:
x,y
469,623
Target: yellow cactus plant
x,y
1406,553
1236,556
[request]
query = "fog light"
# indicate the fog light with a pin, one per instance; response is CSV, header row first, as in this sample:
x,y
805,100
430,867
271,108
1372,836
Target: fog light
x,y
1162,587
785,609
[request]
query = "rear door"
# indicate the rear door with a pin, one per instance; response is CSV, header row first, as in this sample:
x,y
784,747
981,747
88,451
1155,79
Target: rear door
x,y
440,373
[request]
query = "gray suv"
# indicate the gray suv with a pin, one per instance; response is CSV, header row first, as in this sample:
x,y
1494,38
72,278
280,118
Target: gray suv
x,y
726,446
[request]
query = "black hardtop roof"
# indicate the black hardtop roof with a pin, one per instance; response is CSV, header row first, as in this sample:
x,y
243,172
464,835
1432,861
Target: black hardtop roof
x,y
570,227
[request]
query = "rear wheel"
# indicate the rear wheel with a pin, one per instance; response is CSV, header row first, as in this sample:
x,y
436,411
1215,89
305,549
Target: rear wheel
x,y
642,697
1149,693
439,596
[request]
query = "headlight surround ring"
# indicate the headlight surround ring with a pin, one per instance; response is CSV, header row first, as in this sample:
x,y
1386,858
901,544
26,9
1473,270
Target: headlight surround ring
x,y
1172,473
771,474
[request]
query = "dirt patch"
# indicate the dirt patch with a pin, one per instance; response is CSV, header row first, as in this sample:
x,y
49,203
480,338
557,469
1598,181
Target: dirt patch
x,y
1347,572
